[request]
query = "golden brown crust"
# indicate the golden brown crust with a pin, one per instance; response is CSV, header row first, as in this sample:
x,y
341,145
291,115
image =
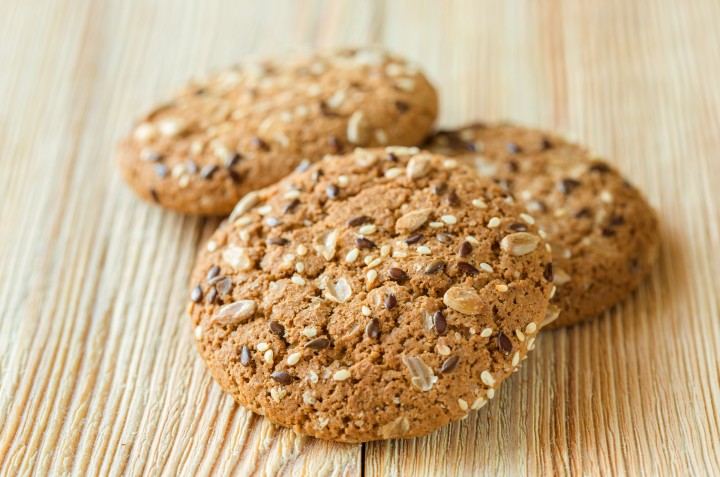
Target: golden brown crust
x,y
248,126
603,233
376,295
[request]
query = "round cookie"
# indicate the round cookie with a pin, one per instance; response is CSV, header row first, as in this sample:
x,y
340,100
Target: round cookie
x,y
248,126
377,295
603,233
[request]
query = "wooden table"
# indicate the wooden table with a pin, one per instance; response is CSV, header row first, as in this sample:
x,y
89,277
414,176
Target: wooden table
x,y
97,371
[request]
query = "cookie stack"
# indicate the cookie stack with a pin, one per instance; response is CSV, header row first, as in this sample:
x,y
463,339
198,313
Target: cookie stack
x,y
374,280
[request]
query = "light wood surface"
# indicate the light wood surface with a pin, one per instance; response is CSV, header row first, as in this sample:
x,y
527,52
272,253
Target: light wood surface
x,y
97,371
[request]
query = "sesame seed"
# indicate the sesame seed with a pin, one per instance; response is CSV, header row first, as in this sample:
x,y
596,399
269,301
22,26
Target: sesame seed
x,y
394,172
293,359
211,246
423,250
309,332
516,358
367,229
297,280
606,197
352,255
436,225
443,350
385,250
463,404
341,375
198,332
366,310
399,254
527,218
449,219
530,328
487,378
552,292
472,240
486,267
264,210
480,204
343,180
486,333
478,403
374,263
269,356
449,163
381,136
263,347
368,259
244,235
145,132
490,393
493,222
242,221
531,343
312,376
502,288
292,194
405,84
372,275
520,335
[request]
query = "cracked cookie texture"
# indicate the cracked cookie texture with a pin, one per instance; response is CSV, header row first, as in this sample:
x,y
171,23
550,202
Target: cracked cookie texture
x,y
380,294
603,233
248,126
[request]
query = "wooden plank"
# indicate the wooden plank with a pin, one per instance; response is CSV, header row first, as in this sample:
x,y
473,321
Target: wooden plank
x,y
98,374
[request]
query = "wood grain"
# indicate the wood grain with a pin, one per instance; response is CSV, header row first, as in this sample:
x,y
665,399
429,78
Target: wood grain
x,y
97,371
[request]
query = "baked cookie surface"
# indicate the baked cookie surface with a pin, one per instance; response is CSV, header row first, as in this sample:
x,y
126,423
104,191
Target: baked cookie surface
x,y
380,294
603,233
248,126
